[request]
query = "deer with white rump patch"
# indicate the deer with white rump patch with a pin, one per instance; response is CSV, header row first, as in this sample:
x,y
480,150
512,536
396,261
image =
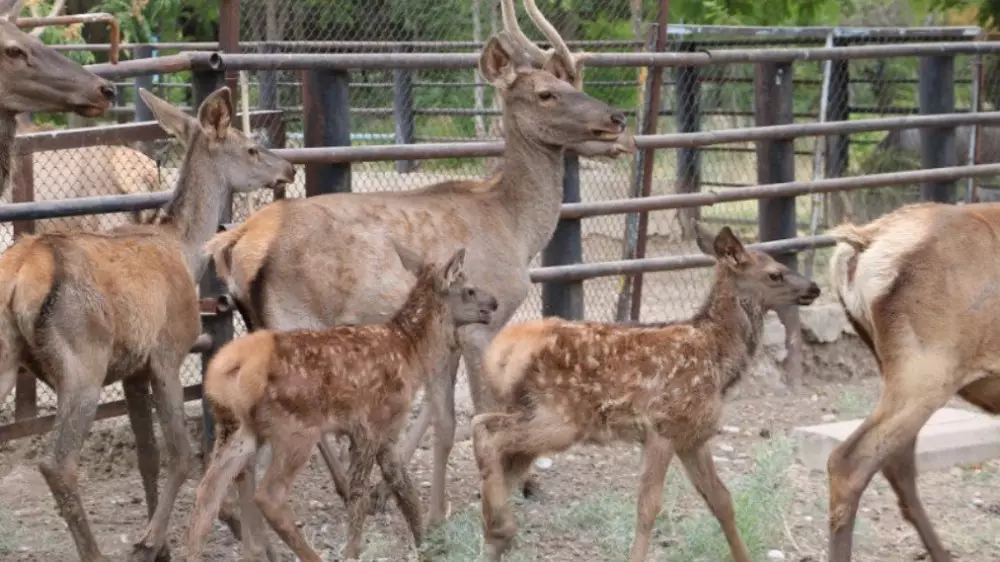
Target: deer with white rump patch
x,y
920,286
82,310
560,383
287,389
326,260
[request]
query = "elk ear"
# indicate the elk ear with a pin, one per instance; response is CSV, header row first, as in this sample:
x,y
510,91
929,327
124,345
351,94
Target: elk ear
x,y
496,63
174,121
454,270
410,260
216,113
10,9
703,238
728,247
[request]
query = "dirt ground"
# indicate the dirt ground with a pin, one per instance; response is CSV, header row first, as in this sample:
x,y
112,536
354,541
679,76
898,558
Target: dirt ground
x,y
586,508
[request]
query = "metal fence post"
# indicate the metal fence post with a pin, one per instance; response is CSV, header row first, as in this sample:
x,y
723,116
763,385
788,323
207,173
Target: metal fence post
x,y
216,323
142,112
776,164
268,82
402,109
23,190
936,93
326,121
838,146
688,119
565,299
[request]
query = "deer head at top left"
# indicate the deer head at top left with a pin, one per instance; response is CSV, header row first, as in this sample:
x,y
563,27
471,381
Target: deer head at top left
x,y
37,78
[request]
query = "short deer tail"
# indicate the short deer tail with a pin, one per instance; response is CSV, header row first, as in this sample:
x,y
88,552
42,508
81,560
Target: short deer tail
x,y
511,354
27,275
220,247
236,378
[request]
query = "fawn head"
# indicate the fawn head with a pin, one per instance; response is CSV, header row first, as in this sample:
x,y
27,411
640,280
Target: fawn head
x,y
243,164
757,274
37,78
465,303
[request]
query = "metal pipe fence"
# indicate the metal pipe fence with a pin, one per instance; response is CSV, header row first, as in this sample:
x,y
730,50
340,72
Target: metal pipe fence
x,y
601,215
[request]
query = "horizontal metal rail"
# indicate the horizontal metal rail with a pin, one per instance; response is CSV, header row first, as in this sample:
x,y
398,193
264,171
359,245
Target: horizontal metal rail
x,y
577,272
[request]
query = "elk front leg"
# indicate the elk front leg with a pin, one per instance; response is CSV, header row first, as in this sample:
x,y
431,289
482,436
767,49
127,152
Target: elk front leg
x,y
657,453
74,417
168,395
441,392
901,472
255,543
140,415
701,470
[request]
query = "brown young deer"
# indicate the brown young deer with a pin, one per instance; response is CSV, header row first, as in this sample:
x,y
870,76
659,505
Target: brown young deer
x,y
289,388
83,310
917,289
328,260
560,383
34,77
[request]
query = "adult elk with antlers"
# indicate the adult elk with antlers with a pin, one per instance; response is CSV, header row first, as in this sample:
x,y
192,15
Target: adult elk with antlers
x,y
917,289
326,260
83,310
34,77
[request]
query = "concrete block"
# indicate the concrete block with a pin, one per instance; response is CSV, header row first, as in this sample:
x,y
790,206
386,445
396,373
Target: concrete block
x,y
951,437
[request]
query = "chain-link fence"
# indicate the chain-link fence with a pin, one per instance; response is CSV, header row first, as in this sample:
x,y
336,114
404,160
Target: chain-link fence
x,y
454,105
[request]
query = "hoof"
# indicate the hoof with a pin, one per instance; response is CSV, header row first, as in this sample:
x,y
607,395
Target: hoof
x,y
144,553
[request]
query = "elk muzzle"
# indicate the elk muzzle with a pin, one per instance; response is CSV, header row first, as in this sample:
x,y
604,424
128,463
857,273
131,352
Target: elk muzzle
x,y
810,294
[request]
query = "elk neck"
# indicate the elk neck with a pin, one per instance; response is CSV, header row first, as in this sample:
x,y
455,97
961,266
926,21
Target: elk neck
x,y
196,207
734,323
8,129
422,325
531,186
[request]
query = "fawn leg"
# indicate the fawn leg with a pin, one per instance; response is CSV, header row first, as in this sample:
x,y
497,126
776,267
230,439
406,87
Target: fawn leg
x,y
901,471
335,468
701,471
140,415
77,405
407,498
412,440
255,543
229,456
657,453
290,453
363,453
916,386
168,395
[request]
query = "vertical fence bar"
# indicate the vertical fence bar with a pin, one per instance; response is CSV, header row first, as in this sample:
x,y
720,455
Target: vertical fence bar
x,y
838,146
402,109
219,324
142,112
229,33
974,136
688,118
23,191
565,299
936,93
326,121
773,89
267,82
650,126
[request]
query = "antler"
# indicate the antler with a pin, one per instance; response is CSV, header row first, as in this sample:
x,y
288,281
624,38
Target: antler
x,y
509,15
35,13
575,60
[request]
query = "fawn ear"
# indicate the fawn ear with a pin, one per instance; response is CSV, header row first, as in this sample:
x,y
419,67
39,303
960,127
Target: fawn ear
x,y
411,261
729,248
454,270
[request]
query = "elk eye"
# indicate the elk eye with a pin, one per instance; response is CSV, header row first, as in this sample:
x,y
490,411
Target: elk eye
x,y
546,96
776,276
14,52
252,151
469,293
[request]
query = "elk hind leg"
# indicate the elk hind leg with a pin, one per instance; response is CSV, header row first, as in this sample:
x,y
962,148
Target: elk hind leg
x,y
140,415
701,470
395,475
168,395
901,471
77,406
915,387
